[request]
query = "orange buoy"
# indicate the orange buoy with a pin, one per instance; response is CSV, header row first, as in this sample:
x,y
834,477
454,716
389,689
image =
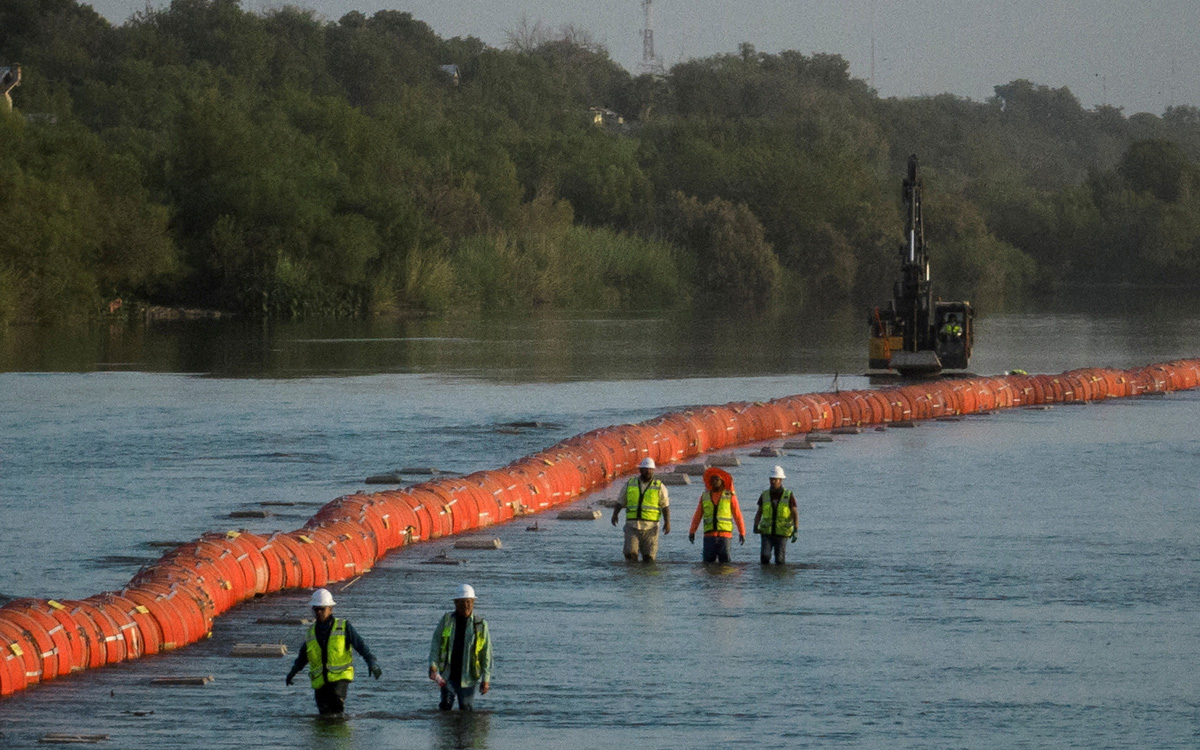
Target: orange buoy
x,y
19,662
55,661
139,630
23,642
64,631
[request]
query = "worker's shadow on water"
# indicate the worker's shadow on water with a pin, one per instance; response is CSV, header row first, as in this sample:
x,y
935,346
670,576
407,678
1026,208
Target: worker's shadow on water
x,y
454,730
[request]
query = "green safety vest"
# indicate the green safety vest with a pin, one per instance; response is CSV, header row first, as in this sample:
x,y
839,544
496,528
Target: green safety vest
x,y
723,512
780,523
447,641
336,664
642,506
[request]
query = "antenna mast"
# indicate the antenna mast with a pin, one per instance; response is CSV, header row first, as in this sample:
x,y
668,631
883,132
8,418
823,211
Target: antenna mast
x,y
650,62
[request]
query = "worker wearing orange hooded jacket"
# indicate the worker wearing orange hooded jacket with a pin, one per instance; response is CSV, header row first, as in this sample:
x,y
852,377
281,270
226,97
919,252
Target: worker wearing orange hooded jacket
x,y
719,510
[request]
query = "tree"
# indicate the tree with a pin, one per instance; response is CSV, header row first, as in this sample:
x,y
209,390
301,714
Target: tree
x,y
735,266
1159,167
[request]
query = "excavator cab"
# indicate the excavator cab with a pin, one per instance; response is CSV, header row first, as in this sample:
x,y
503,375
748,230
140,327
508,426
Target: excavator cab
x,y
916,335
953,342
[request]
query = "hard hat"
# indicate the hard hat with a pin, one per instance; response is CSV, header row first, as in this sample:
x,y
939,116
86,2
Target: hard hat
x,y
647,463
321,598
778,473
465,592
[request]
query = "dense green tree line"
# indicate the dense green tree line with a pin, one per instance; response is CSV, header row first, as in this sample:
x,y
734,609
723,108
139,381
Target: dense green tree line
x,y
284,164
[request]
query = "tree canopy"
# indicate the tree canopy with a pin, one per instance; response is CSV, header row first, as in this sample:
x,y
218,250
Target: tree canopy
x,y
284,164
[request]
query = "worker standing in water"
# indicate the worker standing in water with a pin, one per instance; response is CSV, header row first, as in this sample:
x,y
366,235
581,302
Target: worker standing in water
x,y
776,518
645,501
327,654
460,656
719,510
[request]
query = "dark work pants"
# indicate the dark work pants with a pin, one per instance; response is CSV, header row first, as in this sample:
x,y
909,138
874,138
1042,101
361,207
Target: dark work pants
x,y
331,697
465,695
776,543
716,549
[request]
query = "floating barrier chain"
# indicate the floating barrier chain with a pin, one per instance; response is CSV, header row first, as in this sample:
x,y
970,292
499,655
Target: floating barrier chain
x,y
172,602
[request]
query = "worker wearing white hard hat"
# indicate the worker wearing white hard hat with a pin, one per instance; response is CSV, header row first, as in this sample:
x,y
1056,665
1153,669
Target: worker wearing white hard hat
x,y
776,518
460,656
645,502
327,654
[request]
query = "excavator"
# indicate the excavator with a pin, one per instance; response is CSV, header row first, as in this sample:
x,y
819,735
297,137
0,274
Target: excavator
x,y
917,335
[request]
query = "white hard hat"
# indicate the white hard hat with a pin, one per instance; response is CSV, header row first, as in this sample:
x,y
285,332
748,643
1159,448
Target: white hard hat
x,y
647,463
778,473
465,592
321,598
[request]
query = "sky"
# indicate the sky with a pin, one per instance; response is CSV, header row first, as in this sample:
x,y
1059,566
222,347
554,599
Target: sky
x,y
1139,55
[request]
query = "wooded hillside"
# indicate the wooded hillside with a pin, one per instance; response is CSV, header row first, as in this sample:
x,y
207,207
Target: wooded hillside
x,y
284,164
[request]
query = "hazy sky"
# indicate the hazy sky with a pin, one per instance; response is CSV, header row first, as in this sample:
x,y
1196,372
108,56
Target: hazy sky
x,y
1141,55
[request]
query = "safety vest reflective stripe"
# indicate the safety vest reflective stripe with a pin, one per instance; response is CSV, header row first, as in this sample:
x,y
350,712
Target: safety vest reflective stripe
x,y
642,505
337,663
779,523
476,665
724,512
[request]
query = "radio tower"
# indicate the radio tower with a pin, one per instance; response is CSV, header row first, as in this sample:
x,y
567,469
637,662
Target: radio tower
x,y
650,62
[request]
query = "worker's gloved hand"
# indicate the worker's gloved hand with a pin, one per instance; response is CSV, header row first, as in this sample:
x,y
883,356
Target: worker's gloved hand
x,y
793,538
376,671
741,538
289,678
692,537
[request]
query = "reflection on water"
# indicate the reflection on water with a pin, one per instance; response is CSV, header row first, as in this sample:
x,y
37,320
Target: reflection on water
x,y
546,347
332,733
461,730
1112,327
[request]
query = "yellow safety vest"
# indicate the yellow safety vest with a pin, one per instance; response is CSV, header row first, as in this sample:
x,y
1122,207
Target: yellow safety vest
x,y
781,523
476,665
642,506
723,512
337,662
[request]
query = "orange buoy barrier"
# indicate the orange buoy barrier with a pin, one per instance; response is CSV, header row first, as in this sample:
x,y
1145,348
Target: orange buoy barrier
x,y
173,601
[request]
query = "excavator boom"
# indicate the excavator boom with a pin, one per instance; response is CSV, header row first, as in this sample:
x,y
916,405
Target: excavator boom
x,y
915,334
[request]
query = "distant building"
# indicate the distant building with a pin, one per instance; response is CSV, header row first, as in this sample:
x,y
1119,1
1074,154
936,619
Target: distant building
x,y
452,72
10,78
606,119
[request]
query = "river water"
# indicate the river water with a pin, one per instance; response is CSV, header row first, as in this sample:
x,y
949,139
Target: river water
x,y
1022,579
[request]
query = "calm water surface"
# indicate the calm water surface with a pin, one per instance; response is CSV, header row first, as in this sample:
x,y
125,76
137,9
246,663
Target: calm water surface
x,y
1024,579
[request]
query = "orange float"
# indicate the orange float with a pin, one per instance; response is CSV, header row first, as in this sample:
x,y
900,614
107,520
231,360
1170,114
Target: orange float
x,y
172,629
21,655
51,662
12,665
108,642
64,631
138,629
